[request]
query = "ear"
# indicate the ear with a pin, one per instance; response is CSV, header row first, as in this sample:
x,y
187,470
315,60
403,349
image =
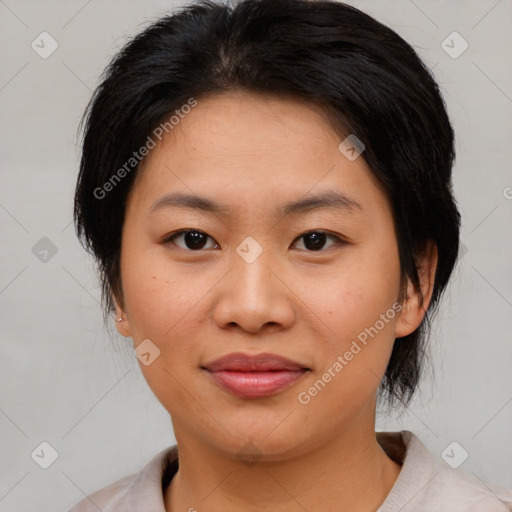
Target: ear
x,y
121,319
413,311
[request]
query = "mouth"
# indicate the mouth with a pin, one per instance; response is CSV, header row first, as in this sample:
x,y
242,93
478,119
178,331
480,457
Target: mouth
x,y
255,376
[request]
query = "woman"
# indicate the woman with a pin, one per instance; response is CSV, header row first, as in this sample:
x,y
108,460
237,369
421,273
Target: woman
x,y
267,191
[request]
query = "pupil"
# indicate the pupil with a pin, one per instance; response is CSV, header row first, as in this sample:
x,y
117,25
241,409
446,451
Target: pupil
x,y
194,239
314,241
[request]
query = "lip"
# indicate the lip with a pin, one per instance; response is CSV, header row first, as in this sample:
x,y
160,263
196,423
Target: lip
x,y
255,376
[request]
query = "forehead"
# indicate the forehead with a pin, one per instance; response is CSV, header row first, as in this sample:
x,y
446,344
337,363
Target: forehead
x,y
242,147
245,130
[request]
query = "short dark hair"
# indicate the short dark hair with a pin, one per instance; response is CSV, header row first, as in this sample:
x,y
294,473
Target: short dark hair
x,y
367,78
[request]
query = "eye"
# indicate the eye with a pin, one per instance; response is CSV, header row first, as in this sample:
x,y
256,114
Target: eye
x,y
190,239
315,240
196,240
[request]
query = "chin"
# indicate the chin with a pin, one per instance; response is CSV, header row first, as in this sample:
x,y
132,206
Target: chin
x,y
263,441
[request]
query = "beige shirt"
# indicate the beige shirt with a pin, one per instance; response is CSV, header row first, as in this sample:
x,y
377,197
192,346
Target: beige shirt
x,y
425,484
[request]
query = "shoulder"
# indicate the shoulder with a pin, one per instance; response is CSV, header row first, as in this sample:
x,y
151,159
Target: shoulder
x,y
104,497
142,489
427,483
456,489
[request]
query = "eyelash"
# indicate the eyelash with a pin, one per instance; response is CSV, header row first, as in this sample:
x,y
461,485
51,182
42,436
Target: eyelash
x,y
338,240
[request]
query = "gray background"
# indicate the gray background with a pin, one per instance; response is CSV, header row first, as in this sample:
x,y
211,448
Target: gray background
x,y
66,382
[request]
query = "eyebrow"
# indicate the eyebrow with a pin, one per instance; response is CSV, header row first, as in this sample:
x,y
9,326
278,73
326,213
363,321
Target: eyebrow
x,y
328,199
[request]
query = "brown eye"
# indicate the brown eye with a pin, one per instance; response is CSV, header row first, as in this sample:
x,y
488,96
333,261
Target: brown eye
x,y
190,239
315,240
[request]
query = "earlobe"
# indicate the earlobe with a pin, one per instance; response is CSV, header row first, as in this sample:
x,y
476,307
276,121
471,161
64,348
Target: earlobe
x,y
122,324
415,305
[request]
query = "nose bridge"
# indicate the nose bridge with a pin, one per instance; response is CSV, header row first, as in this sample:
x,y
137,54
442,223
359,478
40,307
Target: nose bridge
x,y
251,269
252,296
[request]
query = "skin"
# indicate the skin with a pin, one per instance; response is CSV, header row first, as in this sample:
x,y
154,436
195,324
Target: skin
x,y
253,153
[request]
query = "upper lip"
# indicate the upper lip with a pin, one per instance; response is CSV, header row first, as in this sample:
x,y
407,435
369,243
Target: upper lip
x,y
253,363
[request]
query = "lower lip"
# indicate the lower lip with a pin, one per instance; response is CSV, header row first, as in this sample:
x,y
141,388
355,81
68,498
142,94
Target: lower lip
x,y
256,384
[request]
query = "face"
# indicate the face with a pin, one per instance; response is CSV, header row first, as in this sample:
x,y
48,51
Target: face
x,y
299,259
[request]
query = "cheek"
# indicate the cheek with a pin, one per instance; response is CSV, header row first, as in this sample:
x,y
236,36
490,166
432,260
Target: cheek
x,y
352,354
352,297
163,304
159,297
358,309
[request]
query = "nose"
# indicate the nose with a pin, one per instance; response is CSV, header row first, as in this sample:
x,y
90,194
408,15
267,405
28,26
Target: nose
x,y
254,297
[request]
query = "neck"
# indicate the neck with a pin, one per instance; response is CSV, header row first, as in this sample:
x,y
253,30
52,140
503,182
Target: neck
x,y
350,472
